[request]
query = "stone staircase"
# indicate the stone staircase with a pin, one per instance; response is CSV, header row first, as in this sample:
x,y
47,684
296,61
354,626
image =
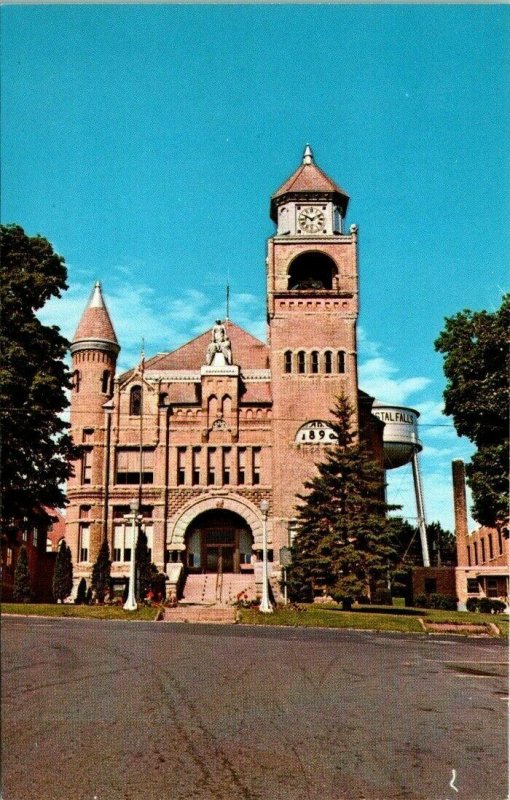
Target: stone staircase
x,y
209,599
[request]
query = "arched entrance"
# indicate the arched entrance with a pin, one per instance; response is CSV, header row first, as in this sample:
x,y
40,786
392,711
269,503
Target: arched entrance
x,y
218,540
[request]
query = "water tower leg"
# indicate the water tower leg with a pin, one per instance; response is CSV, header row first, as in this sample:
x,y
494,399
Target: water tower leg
x,y
418,491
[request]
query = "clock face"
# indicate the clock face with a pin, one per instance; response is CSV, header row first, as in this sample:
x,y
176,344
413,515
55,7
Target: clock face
x,y
311,219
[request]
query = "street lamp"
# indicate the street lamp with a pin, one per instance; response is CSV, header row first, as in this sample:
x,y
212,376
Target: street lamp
x,y
133,517
265,604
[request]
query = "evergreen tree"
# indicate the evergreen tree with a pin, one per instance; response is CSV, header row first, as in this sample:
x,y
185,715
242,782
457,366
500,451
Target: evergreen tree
x,y
63,573
81,594
441,544
37,449
345,542
101,572
22,592
144,572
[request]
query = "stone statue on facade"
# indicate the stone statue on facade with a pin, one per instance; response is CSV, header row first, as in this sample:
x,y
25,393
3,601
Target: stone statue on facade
x,y
219,351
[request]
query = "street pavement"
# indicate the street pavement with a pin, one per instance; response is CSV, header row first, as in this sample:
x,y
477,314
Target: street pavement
x,y
157,711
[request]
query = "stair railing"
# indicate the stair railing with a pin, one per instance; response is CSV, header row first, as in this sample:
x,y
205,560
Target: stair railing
x,y
219,578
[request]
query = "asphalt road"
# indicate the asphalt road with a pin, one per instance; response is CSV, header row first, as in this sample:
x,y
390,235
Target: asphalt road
x,y
154,711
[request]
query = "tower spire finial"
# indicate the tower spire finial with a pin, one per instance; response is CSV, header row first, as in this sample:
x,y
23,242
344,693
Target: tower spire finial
x,y
308,155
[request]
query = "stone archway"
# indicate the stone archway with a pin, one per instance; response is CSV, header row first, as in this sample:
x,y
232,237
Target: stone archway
x,y
218,541
179,524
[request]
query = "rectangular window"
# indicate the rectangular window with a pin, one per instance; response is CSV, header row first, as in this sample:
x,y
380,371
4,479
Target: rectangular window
x,y
35,536
241,465
227,460
84,542
288,361
256,465
473,586
8,562
84,512
491,546
128,466
119,512
341,361
293,529
500,542
482,542
475,550
181,466
430,585
122,542
86,467
301,362
315,361
211,466
195,466
328,365
469,555
491,587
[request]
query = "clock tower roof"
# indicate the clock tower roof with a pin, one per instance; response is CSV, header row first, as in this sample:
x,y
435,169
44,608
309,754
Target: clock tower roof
x,y
308,179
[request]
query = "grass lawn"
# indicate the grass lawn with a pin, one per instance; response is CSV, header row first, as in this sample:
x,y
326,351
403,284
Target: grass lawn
x,y
380,618
85,612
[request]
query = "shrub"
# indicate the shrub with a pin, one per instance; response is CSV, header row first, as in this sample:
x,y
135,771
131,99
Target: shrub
x,y
498,606
81,594
485,605
445,602
22,592
421,601
472,604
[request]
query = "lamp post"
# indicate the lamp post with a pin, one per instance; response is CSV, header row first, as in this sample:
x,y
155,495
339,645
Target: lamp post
x,y
265,604
133,517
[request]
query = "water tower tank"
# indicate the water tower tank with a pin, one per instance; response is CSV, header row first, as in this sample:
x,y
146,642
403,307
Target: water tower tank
x,y
400,435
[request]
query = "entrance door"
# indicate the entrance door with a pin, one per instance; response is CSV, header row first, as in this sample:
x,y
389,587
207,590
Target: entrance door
x,y
219,556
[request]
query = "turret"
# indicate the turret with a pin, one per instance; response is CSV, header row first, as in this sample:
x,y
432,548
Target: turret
x,y
94,351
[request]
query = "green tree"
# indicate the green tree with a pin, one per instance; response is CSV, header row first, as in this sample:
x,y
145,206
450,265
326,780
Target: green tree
x,y
37,447
441,544
345,542
101,572
22,592
144,572
63,573
81,593
475,345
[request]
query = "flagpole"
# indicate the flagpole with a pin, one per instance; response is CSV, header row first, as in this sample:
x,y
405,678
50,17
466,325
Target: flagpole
x,y
142,370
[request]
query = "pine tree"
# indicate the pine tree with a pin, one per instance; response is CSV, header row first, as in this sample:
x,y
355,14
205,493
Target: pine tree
x,y
345,543
144,572
22,592
101,572
81,594
63,573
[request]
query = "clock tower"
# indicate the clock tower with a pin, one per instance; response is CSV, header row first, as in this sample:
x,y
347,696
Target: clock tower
x,y
312,306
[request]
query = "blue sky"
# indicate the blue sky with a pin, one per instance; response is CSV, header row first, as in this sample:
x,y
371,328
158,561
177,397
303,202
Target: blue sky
x,y
145,141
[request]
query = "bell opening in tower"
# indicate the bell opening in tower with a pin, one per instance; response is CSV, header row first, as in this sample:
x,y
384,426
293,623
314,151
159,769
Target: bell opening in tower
x,y
312,270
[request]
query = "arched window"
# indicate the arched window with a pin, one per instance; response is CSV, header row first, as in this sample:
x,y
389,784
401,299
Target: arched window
x,y
341,361
328,363
105,382
76,380
312,270
287,361
315,361
301,361
135,401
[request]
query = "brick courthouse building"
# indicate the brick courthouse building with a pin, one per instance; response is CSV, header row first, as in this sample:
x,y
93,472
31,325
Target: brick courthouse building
x,y
225,421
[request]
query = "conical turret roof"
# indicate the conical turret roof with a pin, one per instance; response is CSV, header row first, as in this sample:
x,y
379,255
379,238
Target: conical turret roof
x,y
95,330
308,179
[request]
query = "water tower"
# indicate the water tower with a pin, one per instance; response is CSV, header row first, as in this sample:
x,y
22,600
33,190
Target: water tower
x,y
401,446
